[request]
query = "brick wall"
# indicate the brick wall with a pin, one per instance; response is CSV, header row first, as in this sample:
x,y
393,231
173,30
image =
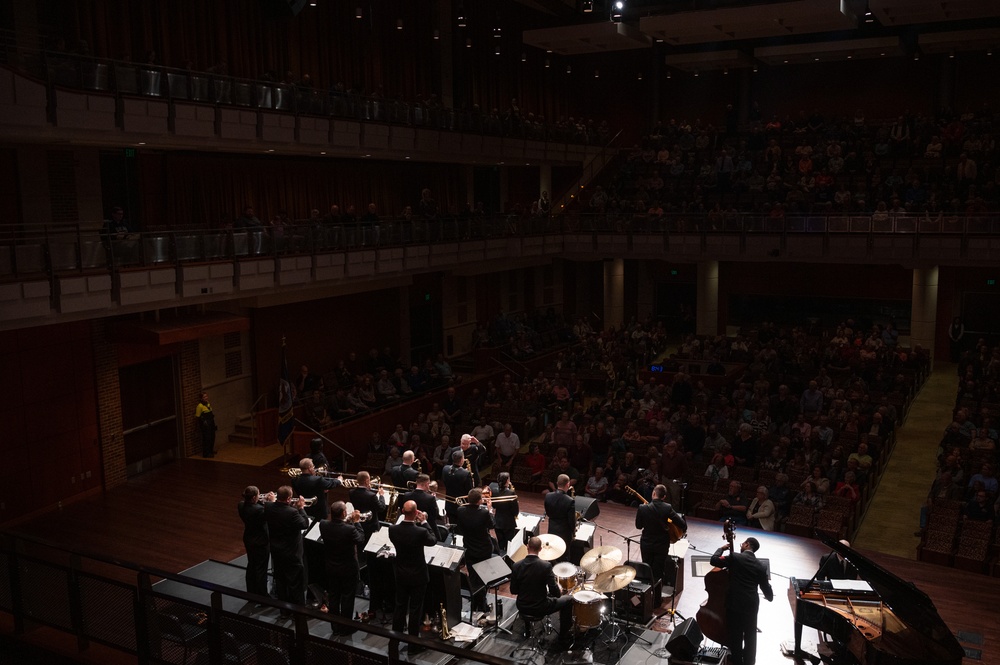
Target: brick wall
x,y
109,406
190,373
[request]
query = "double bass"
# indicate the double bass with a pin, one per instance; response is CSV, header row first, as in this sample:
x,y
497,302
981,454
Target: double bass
x,y
711,616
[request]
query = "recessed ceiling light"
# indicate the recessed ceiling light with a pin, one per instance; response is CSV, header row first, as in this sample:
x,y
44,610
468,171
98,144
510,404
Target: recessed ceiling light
x,y
407,156
850,57
270,149
142,143
322,152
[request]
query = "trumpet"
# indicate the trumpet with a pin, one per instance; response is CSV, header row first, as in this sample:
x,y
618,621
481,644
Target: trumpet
x,y
362,517
295,472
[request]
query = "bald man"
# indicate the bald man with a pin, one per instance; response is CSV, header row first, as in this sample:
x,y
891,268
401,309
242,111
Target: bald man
x,y
405,472
409,537
832,566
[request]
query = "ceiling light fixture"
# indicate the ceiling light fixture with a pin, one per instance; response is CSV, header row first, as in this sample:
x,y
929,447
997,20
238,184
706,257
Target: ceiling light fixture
x,y
524,57
588,6
437,35
616,11
399,24
547,64
357,12
468,43
597,73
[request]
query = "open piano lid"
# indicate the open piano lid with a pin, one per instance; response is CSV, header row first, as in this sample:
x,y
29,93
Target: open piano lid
x,y
907,602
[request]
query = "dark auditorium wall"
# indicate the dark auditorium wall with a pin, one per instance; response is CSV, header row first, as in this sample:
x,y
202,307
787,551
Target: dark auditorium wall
x,y
48,407
181,189
321,332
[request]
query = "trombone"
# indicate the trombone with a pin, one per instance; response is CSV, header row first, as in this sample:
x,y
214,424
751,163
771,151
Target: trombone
x,y
295,472
306,502
464,500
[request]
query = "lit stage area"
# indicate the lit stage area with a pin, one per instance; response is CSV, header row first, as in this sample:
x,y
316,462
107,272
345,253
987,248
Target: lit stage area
x,y
182,518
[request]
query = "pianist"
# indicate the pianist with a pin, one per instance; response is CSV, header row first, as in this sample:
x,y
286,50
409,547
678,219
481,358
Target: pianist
x,y
832,566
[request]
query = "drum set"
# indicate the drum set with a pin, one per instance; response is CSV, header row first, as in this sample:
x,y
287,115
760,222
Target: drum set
x,y
599,575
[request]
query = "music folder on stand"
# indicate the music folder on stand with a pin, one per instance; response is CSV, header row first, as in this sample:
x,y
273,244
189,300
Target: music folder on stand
x,y
493,572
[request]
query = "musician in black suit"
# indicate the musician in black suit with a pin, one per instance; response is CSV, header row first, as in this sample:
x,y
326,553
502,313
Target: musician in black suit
x,y
310,484
426,502
316,454
405,472
504,512
457,482
532,581
560,508
832,566
475,452
285,522
342,534
746,574
655,541
474,523
409,537
365,499
255,539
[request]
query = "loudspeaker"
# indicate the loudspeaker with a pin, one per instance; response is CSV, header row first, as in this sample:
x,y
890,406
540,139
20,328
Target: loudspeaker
x,y
587,507
683,643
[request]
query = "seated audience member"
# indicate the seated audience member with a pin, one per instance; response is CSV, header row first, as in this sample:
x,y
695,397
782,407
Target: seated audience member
x,y
734,505
848,488
597,485
980,508
809,497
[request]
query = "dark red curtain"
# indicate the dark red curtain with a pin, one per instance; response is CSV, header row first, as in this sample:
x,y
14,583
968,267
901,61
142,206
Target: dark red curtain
x,y
197,190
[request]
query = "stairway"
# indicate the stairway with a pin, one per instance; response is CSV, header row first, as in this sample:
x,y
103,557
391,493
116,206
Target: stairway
x,y
243,433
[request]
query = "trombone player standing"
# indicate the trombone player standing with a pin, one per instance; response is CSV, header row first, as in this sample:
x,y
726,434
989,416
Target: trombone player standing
x,y
457,482
504,512
311,484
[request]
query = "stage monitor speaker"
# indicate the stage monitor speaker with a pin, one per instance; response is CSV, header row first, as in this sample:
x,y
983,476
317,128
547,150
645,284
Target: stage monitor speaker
x,y
587,507
684,642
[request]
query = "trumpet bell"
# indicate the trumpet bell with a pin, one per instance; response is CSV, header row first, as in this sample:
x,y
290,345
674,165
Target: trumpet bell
x,y
307,501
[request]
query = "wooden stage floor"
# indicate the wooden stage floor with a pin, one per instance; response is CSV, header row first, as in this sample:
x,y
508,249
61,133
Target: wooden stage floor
x,y
184,513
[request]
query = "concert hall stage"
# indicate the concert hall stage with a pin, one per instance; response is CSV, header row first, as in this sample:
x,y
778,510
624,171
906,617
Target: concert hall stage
x,y
182,517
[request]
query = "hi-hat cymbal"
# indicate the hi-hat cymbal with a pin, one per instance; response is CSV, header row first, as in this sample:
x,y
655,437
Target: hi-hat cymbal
x,y
615,579
553,547
601,559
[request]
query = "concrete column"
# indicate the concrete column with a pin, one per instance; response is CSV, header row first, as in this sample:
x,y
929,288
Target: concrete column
x,y
545,180
404,324
614,293
707,318
646,295
923,315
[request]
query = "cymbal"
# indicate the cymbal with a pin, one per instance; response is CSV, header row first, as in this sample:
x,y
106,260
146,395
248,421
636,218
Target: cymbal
x,y
614,579
601,559
553,547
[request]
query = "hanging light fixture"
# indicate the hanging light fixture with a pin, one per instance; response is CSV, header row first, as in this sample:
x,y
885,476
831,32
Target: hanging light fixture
x,y
399,24
357,12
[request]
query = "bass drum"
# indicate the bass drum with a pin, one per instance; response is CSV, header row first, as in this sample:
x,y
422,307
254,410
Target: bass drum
x,y
588,609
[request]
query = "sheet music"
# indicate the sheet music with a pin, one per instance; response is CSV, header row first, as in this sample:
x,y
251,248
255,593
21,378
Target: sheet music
x,y
441,509
379,540
515,542
680,548
585,532
464,632
443,556
851,585
528,521
312,533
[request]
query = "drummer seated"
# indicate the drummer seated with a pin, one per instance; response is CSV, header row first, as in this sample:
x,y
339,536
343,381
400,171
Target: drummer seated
x,y
538,595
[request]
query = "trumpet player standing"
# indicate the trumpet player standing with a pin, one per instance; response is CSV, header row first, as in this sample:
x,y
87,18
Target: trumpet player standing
x,y
342,534
285,522
255,539
311,484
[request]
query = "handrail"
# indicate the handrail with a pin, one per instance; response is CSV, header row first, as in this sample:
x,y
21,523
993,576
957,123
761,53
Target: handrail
x,y
146,572
253,416
560,205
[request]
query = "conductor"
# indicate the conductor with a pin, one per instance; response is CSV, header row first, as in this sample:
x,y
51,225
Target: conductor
x,y
560,508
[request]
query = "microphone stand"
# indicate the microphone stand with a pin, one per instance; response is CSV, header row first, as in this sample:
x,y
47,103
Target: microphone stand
x,y
615,619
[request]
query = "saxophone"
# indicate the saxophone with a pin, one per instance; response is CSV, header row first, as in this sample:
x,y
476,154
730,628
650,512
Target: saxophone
x,y
445,633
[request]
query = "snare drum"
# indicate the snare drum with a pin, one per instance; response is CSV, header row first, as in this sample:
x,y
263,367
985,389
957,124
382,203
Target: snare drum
x,y
588,608
566,574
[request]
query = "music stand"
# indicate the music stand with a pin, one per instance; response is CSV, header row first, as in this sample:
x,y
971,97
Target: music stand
x,y
493,572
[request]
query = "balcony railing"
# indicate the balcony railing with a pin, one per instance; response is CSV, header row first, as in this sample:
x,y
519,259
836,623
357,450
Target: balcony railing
x,y
59,249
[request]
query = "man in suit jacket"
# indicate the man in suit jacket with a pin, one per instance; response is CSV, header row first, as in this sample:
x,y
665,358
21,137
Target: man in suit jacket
x,y
405,472
746,574
285,522
560,508
457,482
655,541
504,512
426,502
409,537
341,538
310,484
255,539
532,581
834,567
474,522
475,452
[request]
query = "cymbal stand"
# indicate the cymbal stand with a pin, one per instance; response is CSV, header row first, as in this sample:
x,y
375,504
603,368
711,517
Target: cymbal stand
x,y
615,624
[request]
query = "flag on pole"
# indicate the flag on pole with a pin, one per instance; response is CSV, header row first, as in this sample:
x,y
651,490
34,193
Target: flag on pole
x,y
285,401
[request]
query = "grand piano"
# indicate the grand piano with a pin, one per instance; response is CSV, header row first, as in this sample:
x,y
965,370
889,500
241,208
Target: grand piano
x,y
887,621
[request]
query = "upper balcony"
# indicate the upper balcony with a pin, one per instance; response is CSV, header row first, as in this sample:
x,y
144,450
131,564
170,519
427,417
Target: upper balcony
x,y
92,101
61,273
